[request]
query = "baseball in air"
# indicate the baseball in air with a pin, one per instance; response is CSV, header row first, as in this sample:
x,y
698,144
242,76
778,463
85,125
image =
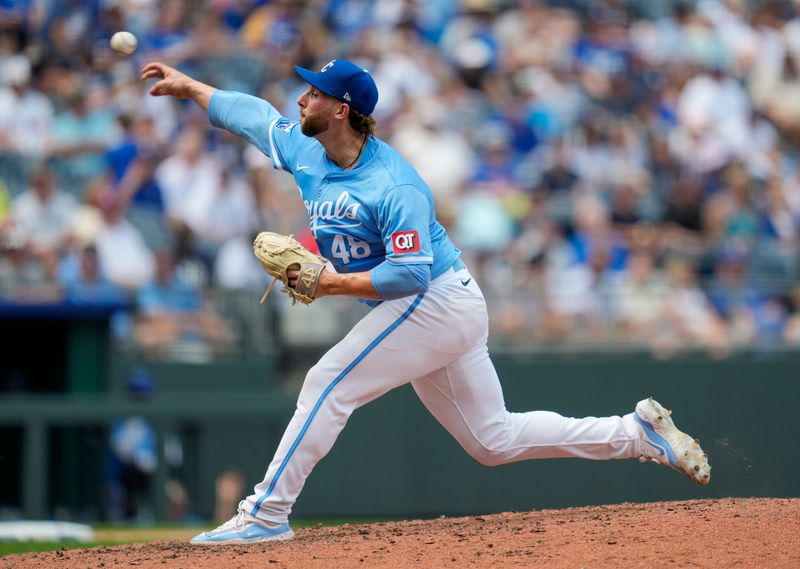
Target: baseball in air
x,y
124,43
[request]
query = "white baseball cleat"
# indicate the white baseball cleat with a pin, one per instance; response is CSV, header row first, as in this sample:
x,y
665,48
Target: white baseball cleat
x,y
663,443
244,528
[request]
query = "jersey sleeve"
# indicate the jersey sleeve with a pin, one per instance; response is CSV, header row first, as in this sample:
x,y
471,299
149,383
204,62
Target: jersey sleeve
x,y
258,122
404,215
396,281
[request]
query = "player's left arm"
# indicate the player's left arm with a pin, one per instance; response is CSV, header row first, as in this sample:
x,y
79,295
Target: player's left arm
x,y
387,281
349,284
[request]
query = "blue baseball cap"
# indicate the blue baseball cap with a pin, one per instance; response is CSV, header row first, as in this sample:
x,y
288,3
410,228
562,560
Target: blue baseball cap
x,y
346,82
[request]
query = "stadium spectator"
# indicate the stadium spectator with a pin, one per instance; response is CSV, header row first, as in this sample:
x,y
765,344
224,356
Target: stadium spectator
x,y
442,156
733,295
220,209
236,268
19,272
640,299
43,215
691,318
124,256
81,134
172,314
132,457
132,164
26,115
557,137
185,172
85,284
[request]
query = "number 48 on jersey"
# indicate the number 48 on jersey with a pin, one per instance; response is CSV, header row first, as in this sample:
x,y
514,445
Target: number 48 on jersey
x,y
352,247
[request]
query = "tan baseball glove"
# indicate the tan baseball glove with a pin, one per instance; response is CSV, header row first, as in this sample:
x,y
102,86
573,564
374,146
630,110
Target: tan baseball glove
x,y
279,253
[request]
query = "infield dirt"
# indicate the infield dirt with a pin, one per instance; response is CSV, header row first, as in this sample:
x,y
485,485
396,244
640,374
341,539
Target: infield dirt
x,y
714,534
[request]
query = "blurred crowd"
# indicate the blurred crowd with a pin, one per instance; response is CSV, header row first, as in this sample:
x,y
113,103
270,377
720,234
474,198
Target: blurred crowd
x,y
617,172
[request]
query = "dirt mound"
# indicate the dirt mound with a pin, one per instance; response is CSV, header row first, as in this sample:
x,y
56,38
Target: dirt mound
x,y
762,533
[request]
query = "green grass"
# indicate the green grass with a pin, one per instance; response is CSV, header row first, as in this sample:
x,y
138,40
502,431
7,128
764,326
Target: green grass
x,y
119,534
9,547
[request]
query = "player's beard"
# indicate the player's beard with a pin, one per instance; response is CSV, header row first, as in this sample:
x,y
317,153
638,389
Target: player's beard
x,y
312,125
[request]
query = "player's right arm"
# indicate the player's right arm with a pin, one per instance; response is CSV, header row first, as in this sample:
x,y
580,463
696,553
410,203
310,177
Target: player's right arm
x,y
252,118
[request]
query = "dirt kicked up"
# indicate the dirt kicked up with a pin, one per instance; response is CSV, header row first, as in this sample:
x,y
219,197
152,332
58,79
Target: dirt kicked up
x,y
713,534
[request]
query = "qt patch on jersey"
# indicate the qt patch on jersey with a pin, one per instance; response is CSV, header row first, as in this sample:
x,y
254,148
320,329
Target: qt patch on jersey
x,y
285,125
405,242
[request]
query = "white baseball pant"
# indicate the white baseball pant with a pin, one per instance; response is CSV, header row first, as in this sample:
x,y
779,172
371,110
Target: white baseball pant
x,y
437,341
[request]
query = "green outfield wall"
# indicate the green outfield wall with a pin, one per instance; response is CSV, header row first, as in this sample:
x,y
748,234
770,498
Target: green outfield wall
x,y
393,459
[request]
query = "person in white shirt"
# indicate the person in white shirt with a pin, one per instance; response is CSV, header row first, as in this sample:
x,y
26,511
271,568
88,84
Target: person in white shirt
x,y
26,115
185,172
124,256
204,194
43,214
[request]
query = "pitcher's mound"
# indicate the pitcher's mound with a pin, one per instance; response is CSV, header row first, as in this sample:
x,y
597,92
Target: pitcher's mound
x,y
763,533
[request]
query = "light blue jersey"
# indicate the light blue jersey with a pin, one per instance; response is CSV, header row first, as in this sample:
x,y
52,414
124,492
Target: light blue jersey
x,y
380,210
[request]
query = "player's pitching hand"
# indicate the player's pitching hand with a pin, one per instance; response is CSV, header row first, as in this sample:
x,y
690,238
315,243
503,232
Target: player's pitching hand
x,y
173,82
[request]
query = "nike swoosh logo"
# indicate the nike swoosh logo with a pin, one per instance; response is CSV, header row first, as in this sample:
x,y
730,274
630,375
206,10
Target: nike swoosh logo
x,y
466,282
299,167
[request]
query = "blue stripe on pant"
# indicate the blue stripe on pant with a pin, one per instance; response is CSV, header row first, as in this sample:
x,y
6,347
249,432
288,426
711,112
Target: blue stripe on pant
x,y
325,394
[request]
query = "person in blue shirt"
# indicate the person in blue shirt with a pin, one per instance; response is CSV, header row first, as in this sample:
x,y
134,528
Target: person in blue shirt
x,y
373,219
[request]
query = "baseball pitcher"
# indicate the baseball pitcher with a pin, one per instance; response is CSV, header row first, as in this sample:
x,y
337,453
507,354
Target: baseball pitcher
x,y
373,220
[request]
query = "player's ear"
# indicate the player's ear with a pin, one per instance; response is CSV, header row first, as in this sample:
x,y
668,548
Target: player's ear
x,y
343,111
